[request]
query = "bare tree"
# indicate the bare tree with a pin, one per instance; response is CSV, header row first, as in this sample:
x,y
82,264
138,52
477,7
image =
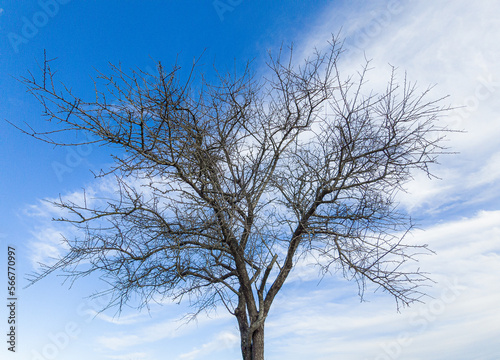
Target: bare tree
x,y
240,176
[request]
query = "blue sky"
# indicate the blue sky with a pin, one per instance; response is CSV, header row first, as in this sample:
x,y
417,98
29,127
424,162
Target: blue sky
x,y
453,44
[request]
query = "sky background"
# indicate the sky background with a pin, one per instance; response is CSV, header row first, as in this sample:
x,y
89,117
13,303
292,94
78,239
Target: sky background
x,y
450,44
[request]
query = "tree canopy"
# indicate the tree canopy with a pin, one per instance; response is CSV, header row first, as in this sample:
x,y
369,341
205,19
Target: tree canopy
x,y
223,183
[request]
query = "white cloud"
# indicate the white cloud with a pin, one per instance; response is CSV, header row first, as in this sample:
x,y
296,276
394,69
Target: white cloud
x,y
450,43
131,356
149,334
46,246
488,174
327,322
47,235
133,318
160,331
222,341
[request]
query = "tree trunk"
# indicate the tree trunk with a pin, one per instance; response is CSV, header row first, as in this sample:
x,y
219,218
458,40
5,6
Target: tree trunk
x,y
258,344
246,343
246,346
252,345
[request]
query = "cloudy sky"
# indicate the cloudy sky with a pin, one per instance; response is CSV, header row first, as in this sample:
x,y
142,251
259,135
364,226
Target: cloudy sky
x,y
450,44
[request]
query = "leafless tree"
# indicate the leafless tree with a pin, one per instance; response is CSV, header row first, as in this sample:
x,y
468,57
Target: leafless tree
x,y
242,175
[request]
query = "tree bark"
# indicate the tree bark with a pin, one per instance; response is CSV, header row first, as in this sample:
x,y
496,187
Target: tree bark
x,y
258,344
246,343
252,344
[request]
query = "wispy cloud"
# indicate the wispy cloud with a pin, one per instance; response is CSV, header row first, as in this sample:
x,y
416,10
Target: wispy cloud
x,y
326,322
149,334
134,318
452,44
46,244
131,356
160,331
222,341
